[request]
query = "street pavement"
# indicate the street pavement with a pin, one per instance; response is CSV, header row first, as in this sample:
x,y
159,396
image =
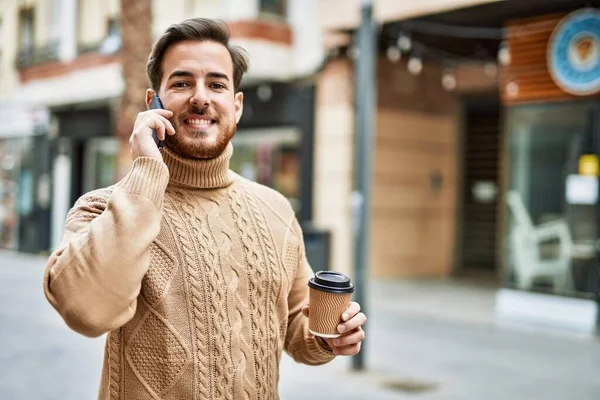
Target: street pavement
x,y
427,340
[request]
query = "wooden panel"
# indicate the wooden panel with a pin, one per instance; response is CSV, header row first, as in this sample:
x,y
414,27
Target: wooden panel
x,y
413,223
413,246
407,197
397,160
413,126
527,41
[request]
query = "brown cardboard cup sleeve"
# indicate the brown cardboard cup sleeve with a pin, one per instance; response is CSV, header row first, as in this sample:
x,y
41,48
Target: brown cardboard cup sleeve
x,y
330,294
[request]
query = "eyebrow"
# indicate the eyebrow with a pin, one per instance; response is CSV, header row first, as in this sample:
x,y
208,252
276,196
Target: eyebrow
x,y
217,75
181,74
188,74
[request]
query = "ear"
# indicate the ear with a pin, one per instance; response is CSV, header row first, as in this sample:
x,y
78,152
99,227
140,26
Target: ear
x,y
149,94
239,106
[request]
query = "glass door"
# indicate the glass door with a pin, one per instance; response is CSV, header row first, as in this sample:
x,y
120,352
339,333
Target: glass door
x,y
552,220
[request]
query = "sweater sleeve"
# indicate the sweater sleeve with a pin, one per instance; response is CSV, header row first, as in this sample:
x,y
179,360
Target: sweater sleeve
x,y
300,344
94,278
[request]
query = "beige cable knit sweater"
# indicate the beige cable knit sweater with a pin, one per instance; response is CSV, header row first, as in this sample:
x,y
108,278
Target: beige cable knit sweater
x,y
198,276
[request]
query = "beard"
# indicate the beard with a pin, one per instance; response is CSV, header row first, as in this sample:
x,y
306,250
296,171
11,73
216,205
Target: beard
x,y
192,144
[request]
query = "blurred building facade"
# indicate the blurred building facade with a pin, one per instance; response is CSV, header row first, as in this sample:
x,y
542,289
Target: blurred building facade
x,y
466,98
62,78
486,147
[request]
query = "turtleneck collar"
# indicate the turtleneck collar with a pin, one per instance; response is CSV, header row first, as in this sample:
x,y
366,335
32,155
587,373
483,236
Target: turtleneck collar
x,y
200,174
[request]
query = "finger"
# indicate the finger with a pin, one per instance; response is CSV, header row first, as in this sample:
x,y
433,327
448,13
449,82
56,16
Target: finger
x,y
353,337
168,125
358,320
351,311
349,350
305,311
158,123
162,111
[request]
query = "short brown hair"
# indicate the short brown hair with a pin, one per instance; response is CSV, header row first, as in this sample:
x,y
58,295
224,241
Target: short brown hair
x,y
195,29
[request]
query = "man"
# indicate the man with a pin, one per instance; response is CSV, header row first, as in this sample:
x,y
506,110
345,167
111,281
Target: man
x,y
198,275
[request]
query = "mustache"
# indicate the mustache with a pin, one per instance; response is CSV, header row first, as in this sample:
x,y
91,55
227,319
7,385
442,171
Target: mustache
x,y
204,111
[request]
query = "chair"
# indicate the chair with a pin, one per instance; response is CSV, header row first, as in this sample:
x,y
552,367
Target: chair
x,y
526,241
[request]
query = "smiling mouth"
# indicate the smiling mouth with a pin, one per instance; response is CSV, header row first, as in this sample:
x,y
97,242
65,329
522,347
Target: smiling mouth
x,y
199,122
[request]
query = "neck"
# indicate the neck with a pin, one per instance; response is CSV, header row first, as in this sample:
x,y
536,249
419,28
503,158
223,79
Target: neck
x,y
199,173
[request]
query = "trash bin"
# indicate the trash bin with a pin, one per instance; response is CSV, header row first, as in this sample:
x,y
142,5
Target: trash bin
x,y
318,247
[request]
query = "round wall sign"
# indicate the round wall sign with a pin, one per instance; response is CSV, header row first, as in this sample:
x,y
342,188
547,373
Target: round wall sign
x,y
574,53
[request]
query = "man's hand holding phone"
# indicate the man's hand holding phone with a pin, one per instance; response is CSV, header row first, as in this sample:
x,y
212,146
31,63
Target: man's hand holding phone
x,y
141,142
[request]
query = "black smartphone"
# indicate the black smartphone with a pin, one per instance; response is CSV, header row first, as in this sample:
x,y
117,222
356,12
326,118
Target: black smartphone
x,y
154,104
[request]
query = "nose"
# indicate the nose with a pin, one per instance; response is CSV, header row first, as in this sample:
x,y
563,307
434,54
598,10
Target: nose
x,y
200,97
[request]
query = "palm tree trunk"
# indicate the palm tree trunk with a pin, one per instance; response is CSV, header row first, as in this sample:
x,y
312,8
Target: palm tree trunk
x,y
136,39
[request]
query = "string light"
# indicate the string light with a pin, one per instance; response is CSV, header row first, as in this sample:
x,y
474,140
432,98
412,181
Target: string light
x,y
264,93
394,54
449,80
404,43
512,89
480,61
415,66
504,54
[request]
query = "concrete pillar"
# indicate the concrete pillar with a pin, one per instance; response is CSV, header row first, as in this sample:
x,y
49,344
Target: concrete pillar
x,y
334,134
61,193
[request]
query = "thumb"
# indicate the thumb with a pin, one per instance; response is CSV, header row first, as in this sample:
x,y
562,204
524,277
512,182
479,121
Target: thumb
x,y
305,311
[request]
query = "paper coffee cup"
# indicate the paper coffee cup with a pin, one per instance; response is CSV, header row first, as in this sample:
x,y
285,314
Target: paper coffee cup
x,y
330,294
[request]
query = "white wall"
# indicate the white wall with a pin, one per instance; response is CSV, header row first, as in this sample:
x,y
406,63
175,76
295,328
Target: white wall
x,y
307,47
173,11
206,9
8,27
95,14
166,13
233,10
68,29
79,86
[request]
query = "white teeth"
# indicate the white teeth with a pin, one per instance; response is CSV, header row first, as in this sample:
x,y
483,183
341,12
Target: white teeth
x,y
199,121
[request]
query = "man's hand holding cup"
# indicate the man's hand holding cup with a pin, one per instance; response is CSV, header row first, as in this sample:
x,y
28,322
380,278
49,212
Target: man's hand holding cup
x,y
332,316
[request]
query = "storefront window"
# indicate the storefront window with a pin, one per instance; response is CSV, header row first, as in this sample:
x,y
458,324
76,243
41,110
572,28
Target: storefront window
x,y
551,226
16,189
270,157
8,198
100,163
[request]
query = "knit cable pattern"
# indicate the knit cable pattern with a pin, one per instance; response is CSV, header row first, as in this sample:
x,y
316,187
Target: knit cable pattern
x,y
114,363
178,211
254,277
216,298
272,286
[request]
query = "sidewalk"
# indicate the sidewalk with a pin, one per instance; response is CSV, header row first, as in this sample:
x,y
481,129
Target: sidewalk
x,y
427,339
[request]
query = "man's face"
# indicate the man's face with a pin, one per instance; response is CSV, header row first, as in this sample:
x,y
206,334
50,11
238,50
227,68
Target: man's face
x,y
197,86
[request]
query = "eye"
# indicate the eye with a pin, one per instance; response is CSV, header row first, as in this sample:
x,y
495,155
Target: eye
x,y
181,84
217,85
